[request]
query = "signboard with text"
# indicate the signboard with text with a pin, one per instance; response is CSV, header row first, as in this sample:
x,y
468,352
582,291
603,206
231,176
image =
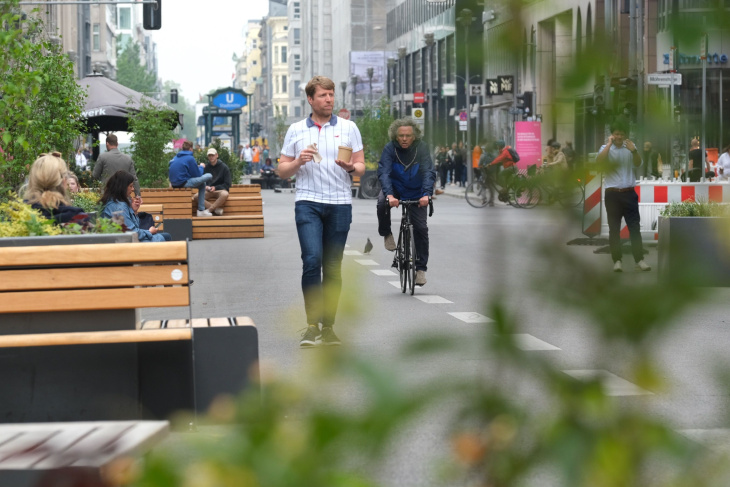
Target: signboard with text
x,y
664,78
528,143
419,97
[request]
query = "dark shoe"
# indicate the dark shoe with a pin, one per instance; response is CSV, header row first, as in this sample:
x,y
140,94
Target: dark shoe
x,y
329,338
311,337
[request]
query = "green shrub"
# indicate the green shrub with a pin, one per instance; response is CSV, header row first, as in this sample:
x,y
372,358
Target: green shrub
x,y
695,208
87,200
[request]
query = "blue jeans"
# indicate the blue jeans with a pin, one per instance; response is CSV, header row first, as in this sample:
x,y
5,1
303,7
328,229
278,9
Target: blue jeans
x,y
322,230
200,184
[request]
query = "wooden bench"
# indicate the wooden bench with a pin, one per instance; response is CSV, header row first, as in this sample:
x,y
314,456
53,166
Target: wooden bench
x,y
242,200
177,202
157,212
88,453
243,216
72,347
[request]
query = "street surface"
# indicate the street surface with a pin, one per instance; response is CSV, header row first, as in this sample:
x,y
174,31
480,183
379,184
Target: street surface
x,y
475,254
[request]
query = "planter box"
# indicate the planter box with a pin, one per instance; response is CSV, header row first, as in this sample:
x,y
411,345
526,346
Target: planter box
x,y
695,248
90,238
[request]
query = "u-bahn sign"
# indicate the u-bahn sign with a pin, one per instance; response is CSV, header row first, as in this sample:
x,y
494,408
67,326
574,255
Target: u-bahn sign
x,y
229,100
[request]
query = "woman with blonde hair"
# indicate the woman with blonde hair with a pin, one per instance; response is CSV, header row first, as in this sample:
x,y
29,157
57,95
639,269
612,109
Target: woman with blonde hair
x,y
46,190
72,182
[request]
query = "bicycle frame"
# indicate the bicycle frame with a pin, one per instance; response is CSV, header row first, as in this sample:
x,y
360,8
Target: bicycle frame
x,y
405,253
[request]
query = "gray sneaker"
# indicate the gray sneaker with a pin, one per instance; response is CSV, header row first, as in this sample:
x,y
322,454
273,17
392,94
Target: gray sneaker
x,y
420,278
642,266
329,338
311,337
218,211
390,243
617,267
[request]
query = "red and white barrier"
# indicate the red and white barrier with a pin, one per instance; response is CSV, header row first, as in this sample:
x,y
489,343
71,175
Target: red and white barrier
x,y
592,206
655,195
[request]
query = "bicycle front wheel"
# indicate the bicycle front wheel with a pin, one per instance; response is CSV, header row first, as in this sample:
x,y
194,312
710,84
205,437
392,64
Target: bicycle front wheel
x,y
412,260
571,195
476,194
402,251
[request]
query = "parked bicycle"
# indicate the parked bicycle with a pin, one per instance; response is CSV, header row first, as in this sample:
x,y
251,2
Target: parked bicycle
x,y
510,185
549,187
405,251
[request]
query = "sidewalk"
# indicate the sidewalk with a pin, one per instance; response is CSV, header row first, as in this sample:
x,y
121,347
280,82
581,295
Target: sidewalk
x,y
454,191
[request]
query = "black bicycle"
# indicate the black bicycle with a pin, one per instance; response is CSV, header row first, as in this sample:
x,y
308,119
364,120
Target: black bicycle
x,y
405,252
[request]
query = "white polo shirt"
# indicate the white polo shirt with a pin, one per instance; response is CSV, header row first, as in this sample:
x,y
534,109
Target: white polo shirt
x,y
323,182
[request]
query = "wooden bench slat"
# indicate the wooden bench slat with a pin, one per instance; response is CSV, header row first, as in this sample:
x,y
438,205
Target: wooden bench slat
x,y
203,236
94,299
122,253
94,337
200,323
92,277
177,324
244,321
150,208
219,322
151,325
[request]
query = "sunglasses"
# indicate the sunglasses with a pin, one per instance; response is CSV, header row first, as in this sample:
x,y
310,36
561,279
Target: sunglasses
x,y
54,154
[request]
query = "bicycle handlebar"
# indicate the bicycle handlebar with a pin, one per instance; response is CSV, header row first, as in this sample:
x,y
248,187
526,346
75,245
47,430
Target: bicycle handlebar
x,y
415,202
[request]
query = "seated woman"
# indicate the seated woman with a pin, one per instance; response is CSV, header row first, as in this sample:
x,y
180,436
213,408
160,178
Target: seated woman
x,y
117,202
72,182
46,190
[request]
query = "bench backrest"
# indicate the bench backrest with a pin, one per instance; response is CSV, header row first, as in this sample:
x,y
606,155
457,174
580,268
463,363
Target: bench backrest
x,y
178,202
157,212
94,277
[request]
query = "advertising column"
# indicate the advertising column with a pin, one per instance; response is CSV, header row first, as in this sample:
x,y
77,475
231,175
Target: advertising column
x,y
528,144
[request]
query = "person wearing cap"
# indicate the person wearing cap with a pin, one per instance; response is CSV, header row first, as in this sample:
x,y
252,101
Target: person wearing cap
x,y
216,192
184,172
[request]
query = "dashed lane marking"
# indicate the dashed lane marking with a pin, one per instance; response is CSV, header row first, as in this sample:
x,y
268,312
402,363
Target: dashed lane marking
x,y
353,252
471,317
529,343
366,262
613,384
432,299
394,284
383,272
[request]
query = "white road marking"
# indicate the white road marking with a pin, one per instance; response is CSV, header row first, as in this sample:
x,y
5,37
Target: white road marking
x,y
383,272
366,262
394,284
352,252
471,317
528,342
717,439
432,299
613,384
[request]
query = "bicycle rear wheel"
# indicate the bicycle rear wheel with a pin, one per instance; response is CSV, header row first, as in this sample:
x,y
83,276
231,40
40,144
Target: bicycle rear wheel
x,y
570,195
526,194
402,251
476,194
412,260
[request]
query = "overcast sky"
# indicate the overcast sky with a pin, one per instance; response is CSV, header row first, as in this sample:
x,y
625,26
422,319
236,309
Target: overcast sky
x,y
198,38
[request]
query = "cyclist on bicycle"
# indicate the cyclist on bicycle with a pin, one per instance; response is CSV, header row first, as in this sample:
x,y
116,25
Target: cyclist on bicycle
x,y
406,172
507,158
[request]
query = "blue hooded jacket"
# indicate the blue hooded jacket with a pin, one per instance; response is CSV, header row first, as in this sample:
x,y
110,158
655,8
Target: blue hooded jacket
x,y
183,167
407,174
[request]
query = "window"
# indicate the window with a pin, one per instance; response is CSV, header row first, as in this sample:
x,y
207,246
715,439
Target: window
x,y
276,53
297,11
296,89
124,39
285,111
125,18
96,40
297,37
283,54
286,27
297,62
297,111
283,85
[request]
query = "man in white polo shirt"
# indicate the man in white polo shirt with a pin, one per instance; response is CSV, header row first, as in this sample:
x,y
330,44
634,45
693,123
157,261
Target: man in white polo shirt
x,y
323,208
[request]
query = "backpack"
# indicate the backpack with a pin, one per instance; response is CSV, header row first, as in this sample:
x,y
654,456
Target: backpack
x,y
513,154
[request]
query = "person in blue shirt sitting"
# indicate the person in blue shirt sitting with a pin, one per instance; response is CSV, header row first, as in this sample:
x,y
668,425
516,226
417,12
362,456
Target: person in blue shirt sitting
x,y
184,172
118,205
406,172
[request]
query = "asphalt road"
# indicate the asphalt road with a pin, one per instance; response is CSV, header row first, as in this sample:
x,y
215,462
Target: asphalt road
x,y
476,255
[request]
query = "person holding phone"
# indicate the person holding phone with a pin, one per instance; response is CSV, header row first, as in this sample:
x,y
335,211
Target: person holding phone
x,y
619,157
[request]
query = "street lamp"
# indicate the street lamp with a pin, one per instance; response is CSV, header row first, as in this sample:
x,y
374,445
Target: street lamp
x,y
343,86
391,82
370,82
430,42
401,55
465,18
353,78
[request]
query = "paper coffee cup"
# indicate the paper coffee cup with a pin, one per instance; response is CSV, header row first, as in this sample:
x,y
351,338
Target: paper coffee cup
x,y
344,153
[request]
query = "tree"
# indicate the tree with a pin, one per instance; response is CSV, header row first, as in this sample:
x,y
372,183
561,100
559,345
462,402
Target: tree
x,y
189,130
151,129
373,125
131,73
40,101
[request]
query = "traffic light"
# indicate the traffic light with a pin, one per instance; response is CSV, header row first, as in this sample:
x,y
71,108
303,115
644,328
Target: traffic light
x,y
255,129
627,97
173,95
599,96
524,103
152,16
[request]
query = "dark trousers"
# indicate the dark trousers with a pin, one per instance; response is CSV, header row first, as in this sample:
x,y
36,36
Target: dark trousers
x,y
460,173
420,228
624,205
443,171
322,230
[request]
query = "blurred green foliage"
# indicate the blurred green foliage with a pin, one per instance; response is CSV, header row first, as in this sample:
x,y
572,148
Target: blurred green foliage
x,y
696,208
151,129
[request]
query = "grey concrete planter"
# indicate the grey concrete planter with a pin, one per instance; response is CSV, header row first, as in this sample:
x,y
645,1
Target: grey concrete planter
x,y
695,249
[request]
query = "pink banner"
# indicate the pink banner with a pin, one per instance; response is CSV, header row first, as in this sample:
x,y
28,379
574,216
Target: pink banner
x,y
528,144
177,143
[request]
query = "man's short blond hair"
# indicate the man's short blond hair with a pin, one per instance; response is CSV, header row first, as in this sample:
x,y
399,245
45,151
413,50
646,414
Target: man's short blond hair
x,y
322,81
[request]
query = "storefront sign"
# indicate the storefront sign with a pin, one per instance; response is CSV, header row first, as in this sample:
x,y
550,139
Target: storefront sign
x,y
506,84
493,87
696,59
